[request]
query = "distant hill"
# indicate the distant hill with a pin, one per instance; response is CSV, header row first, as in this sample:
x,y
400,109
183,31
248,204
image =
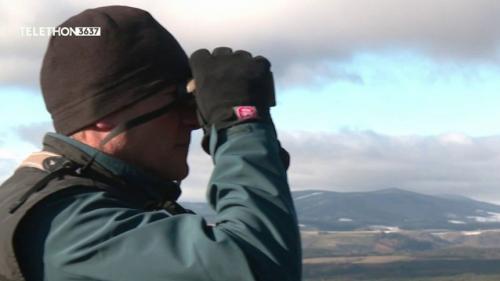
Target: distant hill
x,y
385,209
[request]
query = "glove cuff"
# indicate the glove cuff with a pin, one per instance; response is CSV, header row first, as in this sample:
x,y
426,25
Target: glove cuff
x,y
242,114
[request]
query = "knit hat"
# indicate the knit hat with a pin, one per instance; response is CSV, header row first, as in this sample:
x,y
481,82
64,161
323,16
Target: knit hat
x,y
84,78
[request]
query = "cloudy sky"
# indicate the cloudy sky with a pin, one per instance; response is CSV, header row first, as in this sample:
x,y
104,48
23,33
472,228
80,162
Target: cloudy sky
x,y
371,94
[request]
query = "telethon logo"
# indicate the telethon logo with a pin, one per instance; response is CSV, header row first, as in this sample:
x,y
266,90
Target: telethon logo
x,y
78,31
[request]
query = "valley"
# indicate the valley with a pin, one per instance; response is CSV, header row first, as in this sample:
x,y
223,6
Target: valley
x,y
400,256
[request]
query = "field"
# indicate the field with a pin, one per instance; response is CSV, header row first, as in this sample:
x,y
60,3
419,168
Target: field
x,y
391,270
402,256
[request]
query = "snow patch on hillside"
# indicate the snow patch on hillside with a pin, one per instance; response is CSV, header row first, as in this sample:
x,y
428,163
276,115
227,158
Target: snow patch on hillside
x,y
309,195
385,228
471,233
492,217
456,222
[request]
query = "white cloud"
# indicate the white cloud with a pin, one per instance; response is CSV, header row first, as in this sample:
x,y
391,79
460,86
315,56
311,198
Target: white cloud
x,y
298,36
6,155
6,168
34,133
358,161
8,162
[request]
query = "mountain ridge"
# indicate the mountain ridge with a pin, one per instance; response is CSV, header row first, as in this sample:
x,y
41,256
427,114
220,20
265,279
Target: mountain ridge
x,y
393,208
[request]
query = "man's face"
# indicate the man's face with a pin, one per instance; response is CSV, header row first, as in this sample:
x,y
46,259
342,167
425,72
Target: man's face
x,y
161,145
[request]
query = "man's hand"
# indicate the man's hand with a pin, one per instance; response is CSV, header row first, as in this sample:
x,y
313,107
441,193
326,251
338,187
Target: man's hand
x,y
231,87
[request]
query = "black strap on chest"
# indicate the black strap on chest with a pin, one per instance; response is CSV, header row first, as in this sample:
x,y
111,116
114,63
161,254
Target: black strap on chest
x,y
57,166
56,170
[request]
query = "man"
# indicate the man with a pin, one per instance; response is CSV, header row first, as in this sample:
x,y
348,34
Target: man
x,y
99,202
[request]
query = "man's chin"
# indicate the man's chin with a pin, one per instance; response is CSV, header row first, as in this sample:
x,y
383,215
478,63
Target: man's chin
x,y
184,173
170,174
178,175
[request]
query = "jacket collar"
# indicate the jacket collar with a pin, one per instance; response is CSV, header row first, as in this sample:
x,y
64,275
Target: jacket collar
x,y
112,168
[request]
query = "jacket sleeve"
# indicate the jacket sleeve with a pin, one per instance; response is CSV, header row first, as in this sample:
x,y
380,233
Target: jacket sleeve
x,y
255,237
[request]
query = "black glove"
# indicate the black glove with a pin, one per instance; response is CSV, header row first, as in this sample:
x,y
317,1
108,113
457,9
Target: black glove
x,y
231,88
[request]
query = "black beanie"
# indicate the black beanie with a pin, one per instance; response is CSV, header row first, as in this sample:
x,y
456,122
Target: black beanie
x,y
83,79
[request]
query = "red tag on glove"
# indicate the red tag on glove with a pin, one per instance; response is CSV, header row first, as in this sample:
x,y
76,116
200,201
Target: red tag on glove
x,y
246,112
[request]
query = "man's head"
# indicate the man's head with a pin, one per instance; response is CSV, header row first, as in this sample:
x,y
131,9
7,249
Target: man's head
x,y
92,84
158,146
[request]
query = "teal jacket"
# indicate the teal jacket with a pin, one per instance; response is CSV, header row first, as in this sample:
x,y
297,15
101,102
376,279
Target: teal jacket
x,y
90,235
